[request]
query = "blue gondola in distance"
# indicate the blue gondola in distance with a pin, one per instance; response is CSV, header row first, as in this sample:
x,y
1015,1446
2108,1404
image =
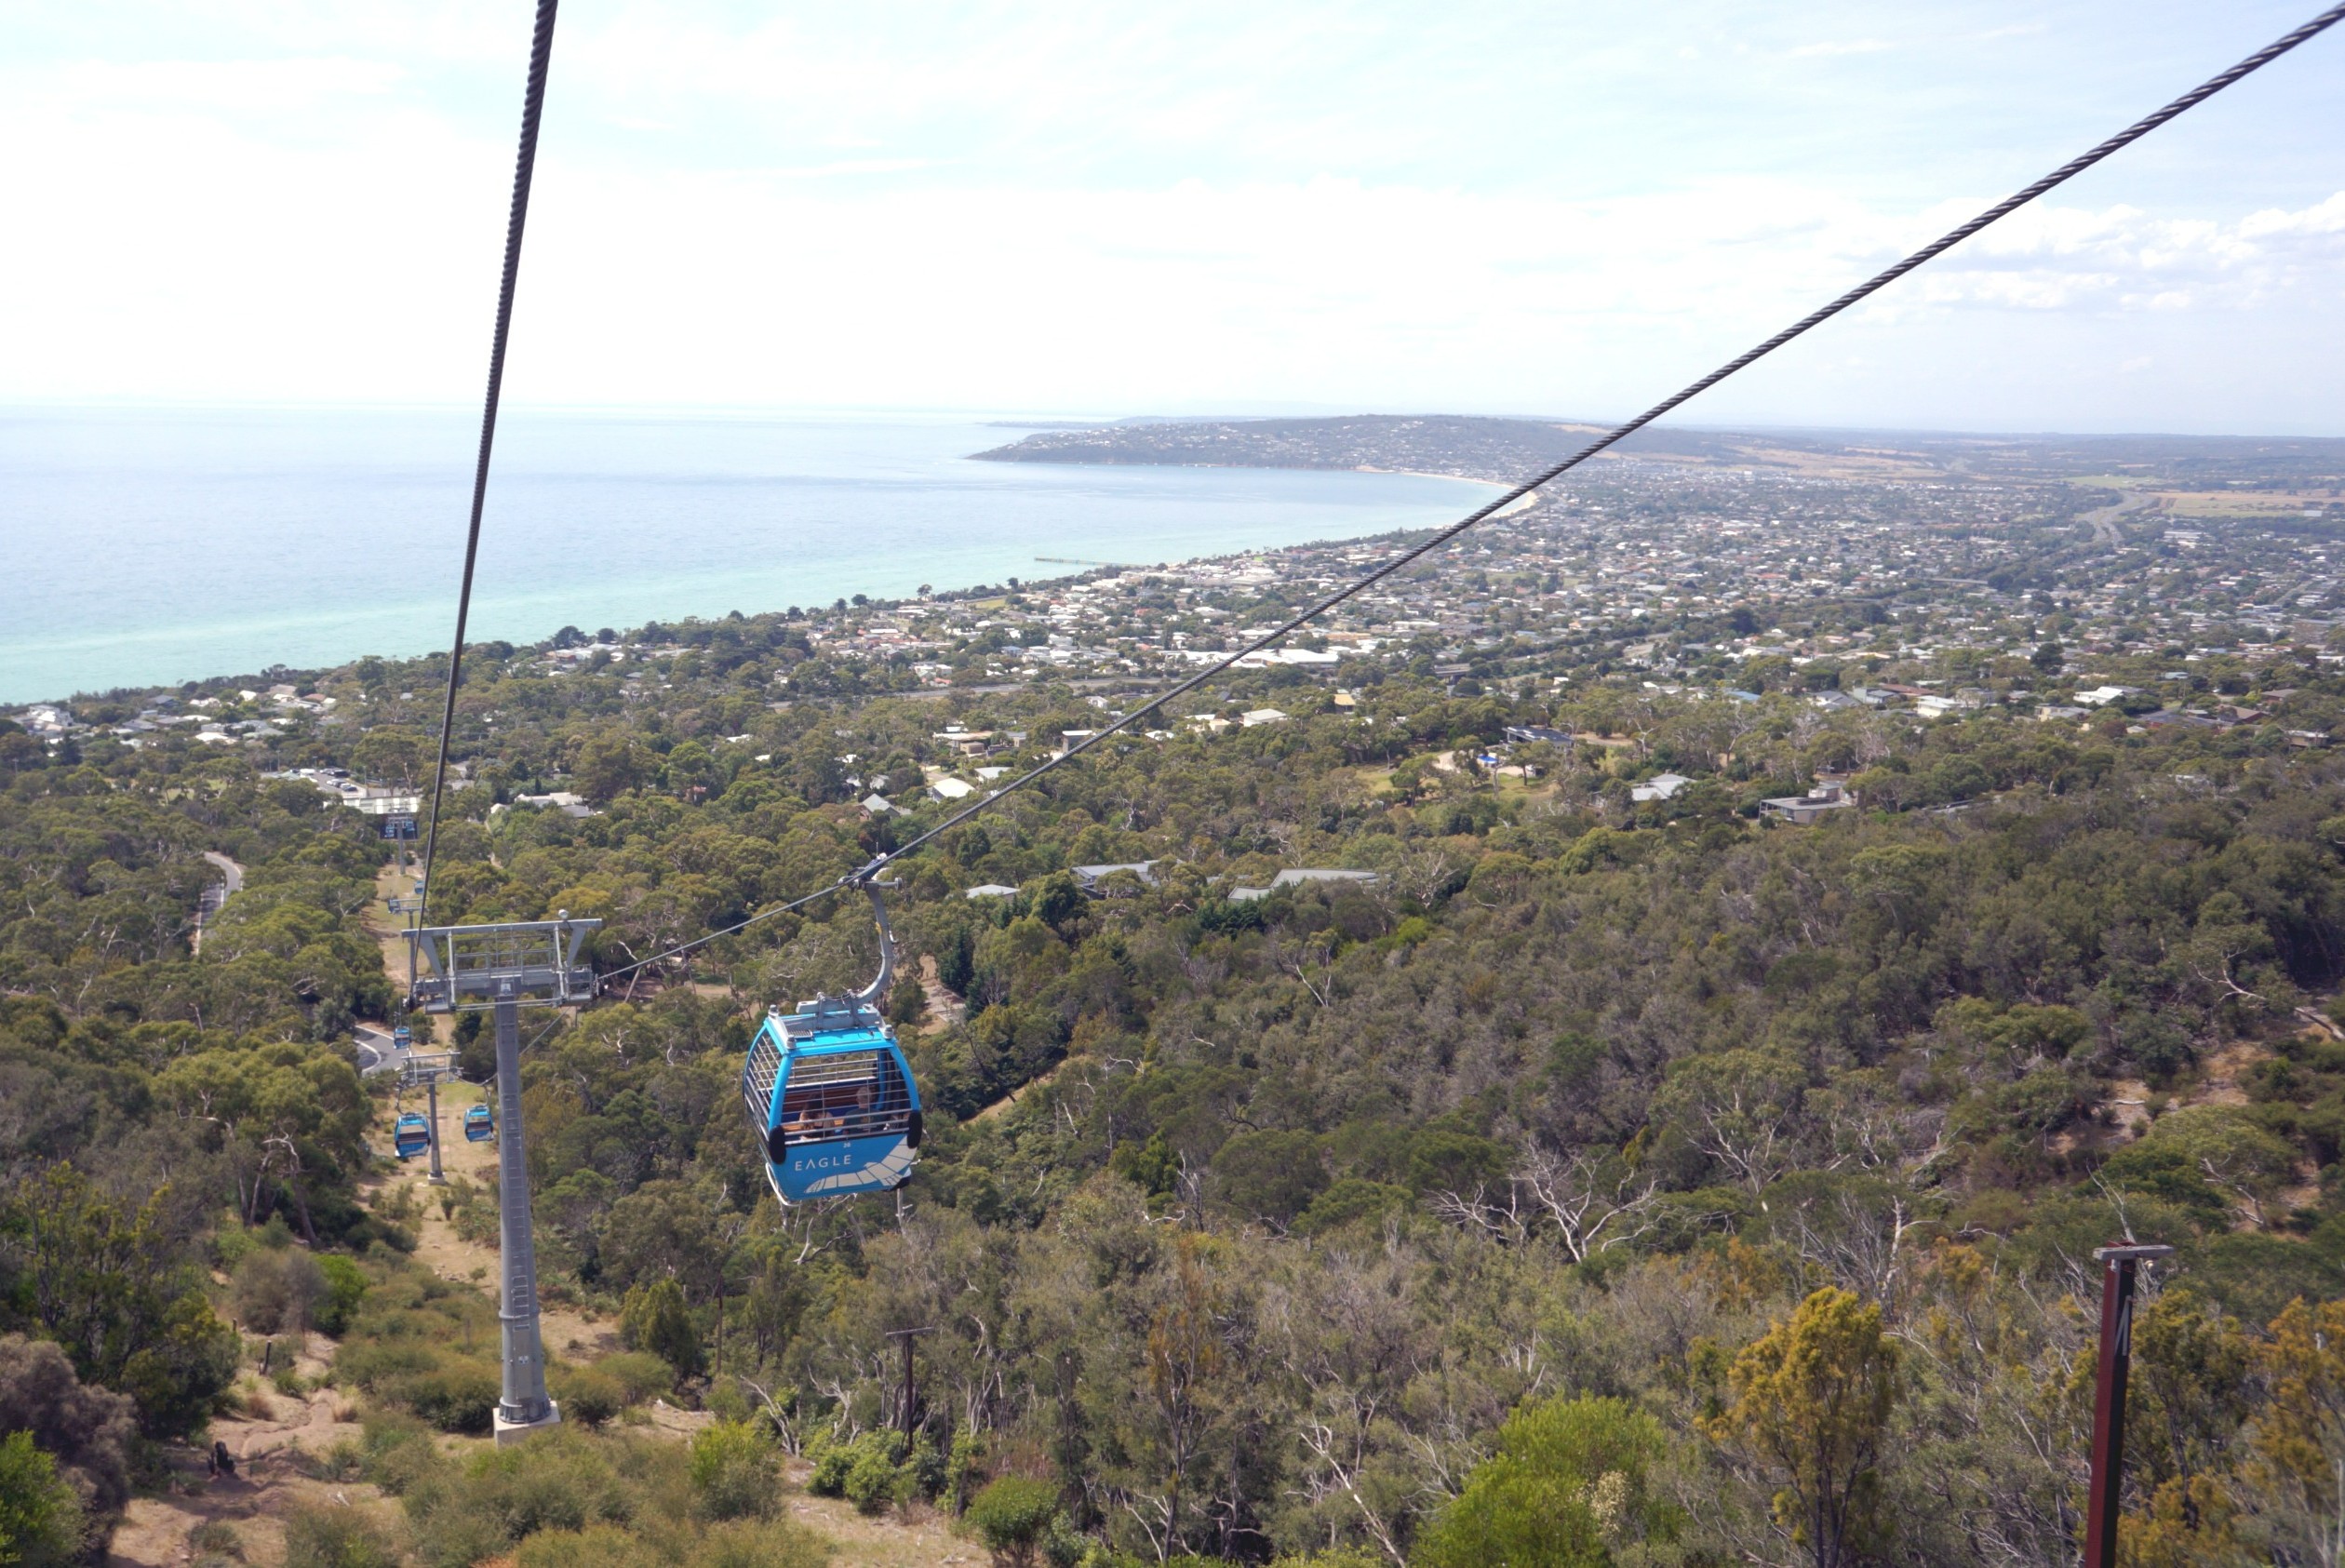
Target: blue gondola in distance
x,y
830,1095
411,1136
480,1124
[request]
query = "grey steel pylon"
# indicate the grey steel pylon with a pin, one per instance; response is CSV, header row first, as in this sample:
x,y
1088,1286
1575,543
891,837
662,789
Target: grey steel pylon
x,y
524,1407
504,968
431,1095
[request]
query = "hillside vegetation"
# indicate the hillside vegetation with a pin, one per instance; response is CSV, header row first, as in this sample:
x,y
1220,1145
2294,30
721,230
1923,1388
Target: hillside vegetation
x,y
1605,1181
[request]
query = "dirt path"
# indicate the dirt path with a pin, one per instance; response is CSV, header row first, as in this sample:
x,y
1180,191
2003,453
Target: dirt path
x,y
945,1010
999,1107
567,1332
384,927
268,1482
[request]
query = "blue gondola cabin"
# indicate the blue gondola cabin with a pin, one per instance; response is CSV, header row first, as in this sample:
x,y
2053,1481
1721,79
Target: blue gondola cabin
x,y
830,1098
480,1124
410,1135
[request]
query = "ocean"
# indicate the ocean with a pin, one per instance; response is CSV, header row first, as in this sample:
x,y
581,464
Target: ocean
x,y
145,546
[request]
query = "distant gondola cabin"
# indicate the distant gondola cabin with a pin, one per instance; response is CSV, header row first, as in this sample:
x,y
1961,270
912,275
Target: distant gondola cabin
x,y
410,1135
480,1124
830,1098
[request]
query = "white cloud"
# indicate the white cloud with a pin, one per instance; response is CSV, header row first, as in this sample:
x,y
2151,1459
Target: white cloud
x,y
1098,207
2122,258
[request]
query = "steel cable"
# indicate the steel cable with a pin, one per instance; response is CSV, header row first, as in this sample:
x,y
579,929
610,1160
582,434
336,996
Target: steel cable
x,y
524,167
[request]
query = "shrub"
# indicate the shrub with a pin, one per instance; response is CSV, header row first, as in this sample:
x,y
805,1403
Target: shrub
x,y
275,1290
588,1395
459,1398
452,1538
1567,1483
560,1481
375,1364
655,1317
1013,1516
746,1544
339,1537
832,1461
87,1432
215,1537
735,1470
873,1482
600,1545
768,1544
187,1361
923,1471
725,1400
642,1374
396,1452
864,1471
960,1468
345,1286
41,1520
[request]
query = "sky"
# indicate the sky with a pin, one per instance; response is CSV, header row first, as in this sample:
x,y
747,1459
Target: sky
x,y
1560,207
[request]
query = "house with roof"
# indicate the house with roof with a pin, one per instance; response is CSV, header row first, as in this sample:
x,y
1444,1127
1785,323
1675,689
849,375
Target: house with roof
x,y
562,800
1090,878
1302,877
1661,786
1827,797
967,743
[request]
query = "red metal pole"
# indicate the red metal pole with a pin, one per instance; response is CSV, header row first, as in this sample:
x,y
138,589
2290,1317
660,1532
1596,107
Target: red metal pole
x,y
2118,1267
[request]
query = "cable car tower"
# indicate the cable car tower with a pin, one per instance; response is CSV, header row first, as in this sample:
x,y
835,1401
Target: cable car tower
x,y
428,1070
504,968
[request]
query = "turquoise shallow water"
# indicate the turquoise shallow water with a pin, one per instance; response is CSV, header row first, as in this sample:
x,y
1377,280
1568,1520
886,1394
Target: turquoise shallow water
x,y
149,545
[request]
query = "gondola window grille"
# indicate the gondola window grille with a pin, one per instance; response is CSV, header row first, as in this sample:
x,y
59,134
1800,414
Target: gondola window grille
x,y
846,1094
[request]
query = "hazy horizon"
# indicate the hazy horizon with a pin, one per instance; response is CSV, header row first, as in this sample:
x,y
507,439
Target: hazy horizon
x,y
1202,412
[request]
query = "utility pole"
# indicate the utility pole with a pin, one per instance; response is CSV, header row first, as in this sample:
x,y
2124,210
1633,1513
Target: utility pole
x,y
2118,1269
905,1338
504,968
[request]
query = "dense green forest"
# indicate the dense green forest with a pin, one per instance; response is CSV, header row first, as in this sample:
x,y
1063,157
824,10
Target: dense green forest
x,y
1606,1181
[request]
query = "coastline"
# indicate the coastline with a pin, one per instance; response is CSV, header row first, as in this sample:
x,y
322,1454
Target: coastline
x,y
322,541
1521,504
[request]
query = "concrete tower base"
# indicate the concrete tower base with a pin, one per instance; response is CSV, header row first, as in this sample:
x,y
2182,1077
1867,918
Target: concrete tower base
x,y
514,1431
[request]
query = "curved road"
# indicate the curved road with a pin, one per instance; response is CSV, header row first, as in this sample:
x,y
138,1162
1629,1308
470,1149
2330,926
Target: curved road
x,y
2104,521
208,903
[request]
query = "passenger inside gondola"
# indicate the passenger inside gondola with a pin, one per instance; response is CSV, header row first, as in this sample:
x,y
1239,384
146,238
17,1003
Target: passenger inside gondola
x,y
806,1111
838,1109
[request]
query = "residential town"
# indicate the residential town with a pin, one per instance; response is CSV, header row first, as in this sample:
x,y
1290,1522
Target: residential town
x,y
1837,581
